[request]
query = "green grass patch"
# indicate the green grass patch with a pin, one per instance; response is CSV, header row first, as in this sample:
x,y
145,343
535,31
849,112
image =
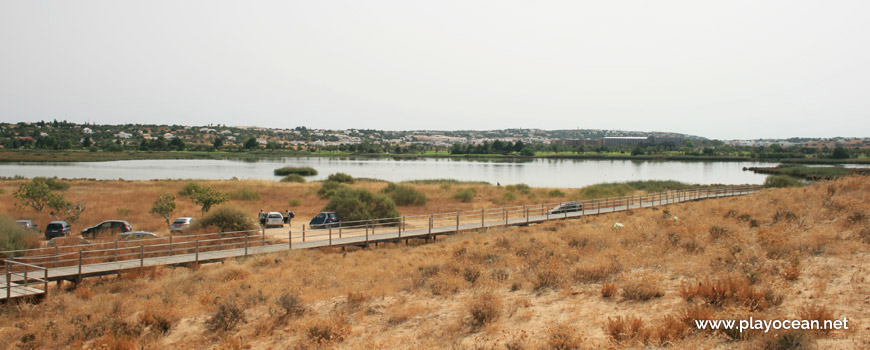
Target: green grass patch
x,y
15,237
778,181
465,195
615,189
246,194
302,171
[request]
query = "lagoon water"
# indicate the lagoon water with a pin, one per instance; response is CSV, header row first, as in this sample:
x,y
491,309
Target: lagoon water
x,y
534,172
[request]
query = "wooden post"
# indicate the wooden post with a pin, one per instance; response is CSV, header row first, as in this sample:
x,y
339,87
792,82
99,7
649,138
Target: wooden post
x,y
430,223
367,234
330,235
197,251
80,264
116,251
170,243
457,221
505,215
55,256
263,240
45,282
246,244
527,214
9,282
404,228
290,239
482,216
142,255
303,233
400,226
220,239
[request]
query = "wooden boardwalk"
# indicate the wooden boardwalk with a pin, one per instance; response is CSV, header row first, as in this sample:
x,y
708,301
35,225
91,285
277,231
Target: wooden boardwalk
x,y
95,260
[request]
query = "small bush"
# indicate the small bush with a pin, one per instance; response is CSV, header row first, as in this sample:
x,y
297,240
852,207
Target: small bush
x,y
293,178
302,171
734,290
642,289
790,340
227,219
246,194
464,195
327,331
564,337
190,188
290,305
556,193
778,181
352,205
483,309
508,197
521,188
295,202
405,195
15,237
53,183
340,178
328,189
622,329
230,313
816,313
608,290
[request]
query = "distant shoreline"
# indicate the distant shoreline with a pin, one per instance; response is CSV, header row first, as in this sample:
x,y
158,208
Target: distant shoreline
x,y
45,156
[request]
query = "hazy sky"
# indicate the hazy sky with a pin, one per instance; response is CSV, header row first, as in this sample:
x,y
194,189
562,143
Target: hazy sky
x,y
719,69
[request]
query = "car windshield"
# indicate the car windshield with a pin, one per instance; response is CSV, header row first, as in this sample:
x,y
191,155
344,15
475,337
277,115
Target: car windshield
x,y
54,226
275,216
179,221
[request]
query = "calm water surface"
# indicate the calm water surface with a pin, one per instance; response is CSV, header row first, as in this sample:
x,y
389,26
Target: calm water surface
x,y
536,172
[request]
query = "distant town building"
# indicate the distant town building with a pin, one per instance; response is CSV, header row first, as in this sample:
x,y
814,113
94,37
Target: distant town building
x,y
624,140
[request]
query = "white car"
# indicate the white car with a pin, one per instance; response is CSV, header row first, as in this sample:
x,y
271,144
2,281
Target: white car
x,y
274,218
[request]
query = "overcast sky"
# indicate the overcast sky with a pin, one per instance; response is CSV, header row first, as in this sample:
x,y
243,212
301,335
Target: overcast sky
x,y
723,69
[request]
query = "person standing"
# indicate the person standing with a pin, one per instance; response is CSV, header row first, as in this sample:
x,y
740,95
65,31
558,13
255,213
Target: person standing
x,y
262,217
289,216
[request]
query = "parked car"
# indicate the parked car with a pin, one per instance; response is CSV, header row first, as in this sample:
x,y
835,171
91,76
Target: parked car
x,y
28,224
567,207
324,219
180,224
131,235
109,226
274,218
57,229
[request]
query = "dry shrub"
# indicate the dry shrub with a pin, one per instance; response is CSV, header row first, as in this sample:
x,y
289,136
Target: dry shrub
x,y
789,340
233,274
549,275
564,337
733,290
596,270
160,321
400,313
608,289
627,329
644,289
483,309
356,298
717,232
327,331
230,313
817,313
289,305
792,271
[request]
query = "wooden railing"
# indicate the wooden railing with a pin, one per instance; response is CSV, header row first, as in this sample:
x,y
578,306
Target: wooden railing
x,y
342,233
20,277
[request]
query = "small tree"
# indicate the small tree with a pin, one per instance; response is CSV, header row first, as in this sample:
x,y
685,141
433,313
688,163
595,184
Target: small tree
x,y
164,206
62,208
34,194
208,197
352,204
840,153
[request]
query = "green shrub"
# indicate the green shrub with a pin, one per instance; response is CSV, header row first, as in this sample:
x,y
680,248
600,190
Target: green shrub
x,y
352,205
190,188
303,171
53,183
227,219
246,194
293,178
328,189
340,178
465,195
777,181
404,195
508,197
295,202
521,188
14,237
556,193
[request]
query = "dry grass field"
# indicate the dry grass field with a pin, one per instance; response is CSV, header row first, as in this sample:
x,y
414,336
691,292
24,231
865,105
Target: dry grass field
x,y
798,253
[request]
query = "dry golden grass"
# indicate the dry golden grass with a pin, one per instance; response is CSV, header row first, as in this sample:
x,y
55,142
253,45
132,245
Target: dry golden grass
x,y
517,288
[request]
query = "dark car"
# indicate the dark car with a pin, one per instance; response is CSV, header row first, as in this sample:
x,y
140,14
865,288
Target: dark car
x,y
567,207
28,224
324,219
107,227
57,229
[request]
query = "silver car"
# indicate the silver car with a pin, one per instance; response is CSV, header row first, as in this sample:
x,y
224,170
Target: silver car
x,y
181,224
